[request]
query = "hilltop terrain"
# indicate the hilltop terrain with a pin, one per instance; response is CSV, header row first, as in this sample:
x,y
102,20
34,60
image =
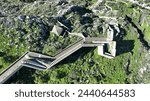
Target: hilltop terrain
x,y
25,25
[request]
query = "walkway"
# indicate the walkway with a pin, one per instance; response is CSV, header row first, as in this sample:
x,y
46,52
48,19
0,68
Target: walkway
x,y
44,62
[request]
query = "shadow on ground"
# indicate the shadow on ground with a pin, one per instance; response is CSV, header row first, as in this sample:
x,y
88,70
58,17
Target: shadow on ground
x,y
124,46
75,56
23,76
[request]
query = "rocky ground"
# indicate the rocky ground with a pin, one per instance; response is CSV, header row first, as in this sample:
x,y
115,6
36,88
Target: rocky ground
x,y
26,25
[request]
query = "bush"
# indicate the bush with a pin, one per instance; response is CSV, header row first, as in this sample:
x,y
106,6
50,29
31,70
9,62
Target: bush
x,y
27,0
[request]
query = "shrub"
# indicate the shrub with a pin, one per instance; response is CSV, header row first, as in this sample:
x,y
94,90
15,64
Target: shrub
x,y
27,0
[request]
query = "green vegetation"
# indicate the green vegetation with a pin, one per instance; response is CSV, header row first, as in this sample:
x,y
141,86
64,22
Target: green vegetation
x,y
85,66
146,30
9,52
29,35
84,3
92,68
27,0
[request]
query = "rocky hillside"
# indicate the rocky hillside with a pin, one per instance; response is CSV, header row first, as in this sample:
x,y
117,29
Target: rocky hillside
x,y
27,24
